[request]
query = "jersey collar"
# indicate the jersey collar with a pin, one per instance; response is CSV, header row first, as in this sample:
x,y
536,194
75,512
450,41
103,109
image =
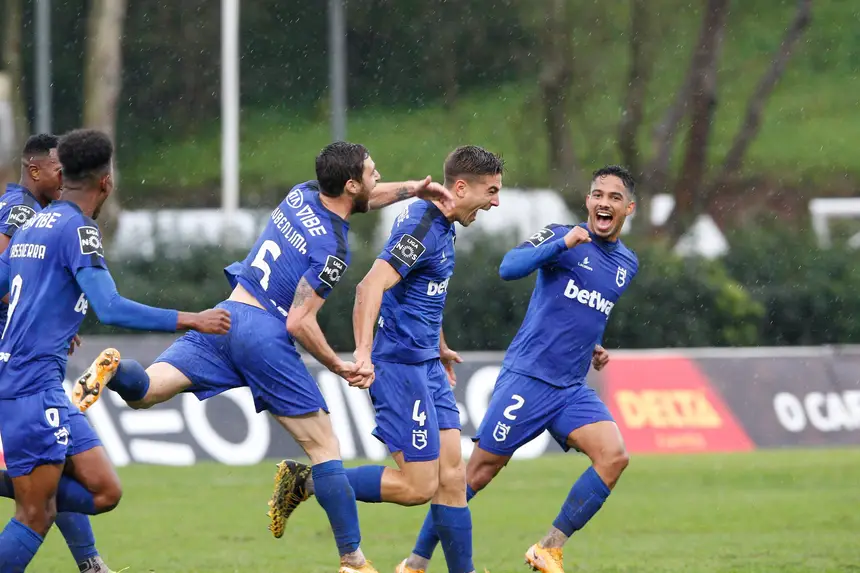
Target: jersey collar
x,y
74,206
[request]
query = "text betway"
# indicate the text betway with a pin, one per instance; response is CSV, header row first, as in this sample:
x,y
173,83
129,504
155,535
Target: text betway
x,y
591,298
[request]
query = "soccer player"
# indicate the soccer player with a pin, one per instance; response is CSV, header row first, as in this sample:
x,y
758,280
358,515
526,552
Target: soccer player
x,y
40,184
298,259
416,412
53,269
582,271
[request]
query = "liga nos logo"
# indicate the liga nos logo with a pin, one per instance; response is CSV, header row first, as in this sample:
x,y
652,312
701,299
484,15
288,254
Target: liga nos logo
x,y
91,241
407,250
19,214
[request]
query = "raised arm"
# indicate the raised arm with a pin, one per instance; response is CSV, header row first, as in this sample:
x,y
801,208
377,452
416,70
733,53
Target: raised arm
x,y
385,194
541,249
111,308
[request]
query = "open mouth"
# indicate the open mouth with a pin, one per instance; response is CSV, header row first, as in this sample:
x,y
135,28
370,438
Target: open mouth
x,y
603,220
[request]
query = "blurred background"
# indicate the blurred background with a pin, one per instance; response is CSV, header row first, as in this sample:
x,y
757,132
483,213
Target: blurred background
x,y
739,119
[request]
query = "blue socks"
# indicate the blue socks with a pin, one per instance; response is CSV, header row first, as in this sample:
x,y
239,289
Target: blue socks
x,y
78,533
131,381
366,481
585,498
75,527
454,526
337,498
427,537
18,546
72,496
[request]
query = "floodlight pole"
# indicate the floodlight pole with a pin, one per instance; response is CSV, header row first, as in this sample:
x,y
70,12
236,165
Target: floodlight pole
x,y
337,68
229,109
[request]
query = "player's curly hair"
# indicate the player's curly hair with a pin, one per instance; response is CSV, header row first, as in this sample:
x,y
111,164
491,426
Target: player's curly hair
x,y
40,144
337,163
621,173
471,160
84,153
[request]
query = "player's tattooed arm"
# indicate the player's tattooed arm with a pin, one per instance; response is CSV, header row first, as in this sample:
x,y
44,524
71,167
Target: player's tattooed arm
x,y
303,326
368,300
385,194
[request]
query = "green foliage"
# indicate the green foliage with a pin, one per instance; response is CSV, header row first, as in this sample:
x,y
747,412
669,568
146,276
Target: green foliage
x,y
810,295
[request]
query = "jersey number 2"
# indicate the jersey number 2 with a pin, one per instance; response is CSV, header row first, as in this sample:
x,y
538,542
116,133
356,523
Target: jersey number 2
x,y
272,248
14,295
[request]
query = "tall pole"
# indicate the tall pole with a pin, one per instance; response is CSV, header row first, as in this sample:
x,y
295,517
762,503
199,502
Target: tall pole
x,y
337,68
229,109
43,66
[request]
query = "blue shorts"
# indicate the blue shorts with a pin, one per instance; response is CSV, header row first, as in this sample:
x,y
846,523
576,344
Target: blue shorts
x,y
35,430
257,353
413,402
522,407
84,437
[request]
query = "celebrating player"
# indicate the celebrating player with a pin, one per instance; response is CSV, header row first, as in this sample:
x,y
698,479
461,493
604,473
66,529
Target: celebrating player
x,y
298,259
57,267
416,412
40,184
582,271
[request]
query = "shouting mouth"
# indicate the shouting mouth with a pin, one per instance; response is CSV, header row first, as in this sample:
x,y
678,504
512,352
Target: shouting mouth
x,y
603,220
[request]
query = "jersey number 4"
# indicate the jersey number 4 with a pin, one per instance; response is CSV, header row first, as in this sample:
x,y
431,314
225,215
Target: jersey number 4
x,y
14,295
271,248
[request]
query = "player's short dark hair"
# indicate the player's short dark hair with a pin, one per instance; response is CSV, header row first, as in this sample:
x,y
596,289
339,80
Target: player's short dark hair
x,y
39,144
84,153
337,163
620,172
471,160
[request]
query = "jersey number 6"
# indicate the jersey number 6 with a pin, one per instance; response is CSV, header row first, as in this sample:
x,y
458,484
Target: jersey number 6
x,y
272,248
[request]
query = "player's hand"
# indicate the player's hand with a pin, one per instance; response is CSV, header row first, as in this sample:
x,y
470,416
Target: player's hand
x,y
76,341
212,321
449,358
599,357
432,191
576,236
357,375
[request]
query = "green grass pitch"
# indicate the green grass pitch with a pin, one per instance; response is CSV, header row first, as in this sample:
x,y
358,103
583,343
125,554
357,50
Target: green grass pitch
x,y
789,511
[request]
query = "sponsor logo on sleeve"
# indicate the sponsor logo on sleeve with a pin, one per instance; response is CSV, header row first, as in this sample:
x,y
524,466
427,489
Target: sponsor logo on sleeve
x,y
91,241
541,236
332,271
19,214
407,250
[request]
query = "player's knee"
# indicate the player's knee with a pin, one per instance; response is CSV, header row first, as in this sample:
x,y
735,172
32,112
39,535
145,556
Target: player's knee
x,y
479,475
37,517
422,491
453,477
613,463
108,497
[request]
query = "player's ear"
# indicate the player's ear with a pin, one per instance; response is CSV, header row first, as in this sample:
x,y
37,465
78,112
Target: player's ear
x,y
631,206
33,170
460,188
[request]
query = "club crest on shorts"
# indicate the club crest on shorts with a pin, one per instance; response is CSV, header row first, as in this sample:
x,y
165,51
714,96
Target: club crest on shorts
x,y
419,439
621,276
500,432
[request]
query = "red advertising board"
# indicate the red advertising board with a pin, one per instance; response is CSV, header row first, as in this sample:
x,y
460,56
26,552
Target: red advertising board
x,y
665,404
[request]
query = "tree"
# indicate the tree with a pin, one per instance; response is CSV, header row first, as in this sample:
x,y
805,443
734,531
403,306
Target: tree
x,y
103,80
696,100
13,67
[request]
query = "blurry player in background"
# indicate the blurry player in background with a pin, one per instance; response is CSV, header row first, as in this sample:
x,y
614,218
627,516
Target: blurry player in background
x,y
416,412
53,269
40,184
582,271
296,262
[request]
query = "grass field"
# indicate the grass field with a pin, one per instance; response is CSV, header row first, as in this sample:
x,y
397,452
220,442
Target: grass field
x,y
788,511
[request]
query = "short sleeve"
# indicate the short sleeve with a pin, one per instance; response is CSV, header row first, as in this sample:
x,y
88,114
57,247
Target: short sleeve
x,y
83,245
328,264
13,216
411,243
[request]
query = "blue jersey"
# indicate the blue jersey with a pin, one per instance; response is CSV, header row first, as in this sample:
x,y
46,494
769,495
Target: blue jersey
x,y
302,239
569,307
46,305
17,206
421,250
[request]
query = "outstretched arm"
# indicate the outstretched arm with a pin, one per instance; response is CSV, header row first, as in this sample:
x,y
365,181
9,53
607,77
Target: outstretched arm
x,y
542,248
385,194
111,308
